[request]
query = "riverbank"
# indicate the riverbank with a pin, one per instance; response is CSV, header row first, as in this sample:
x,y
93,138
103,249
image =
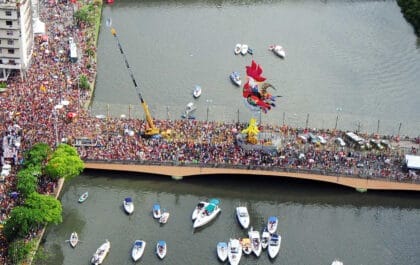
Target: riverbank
x,y
411,12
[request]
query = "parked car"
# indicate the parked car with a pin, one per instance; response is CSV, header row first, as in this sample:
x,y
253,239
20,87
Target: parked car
x,y
340,142
376,144
321,139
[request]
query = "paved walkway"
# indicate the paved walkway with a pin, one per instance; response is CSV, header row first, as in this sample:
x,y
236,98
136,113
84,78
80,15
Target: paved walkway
x,y
179,172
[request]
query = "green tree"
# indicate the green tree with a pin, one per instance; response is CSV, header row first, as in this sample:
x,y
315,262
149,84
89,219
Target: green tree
x,y
65,162
27,181
37,155
20,222
46,209
19,251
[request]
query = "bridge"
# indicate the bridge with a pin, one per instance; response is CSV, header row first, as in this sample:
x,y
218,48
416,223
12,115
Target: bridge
x,y
179,172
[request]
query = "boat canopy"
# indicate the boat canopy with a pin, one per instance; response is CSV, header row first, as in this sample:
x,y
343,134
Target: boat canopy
x,y
274,237
272,219
161,243
138,243
222,244
128,199
210,208
156,207
214,201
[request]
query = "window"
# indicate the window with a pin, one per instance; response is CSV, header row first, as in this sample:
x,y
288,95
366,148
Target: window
x,y
10,51
10,41
12,62
9,23
10,33
8,13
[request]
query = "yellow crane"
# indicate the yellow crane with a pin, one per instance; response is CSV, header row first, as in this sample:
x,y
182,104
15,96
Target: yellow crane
x,y
151,129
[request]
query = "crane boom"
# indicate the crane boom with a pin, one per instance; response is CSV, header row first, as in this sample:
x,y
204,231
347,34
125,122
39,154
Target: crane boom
x,y
151,130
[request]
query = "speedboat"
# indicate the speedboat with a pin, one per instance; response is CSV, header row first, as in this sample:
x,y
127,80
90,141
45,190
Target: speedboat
x,y
161,249
337,262
101,253
197,91
83,197
234,251
244,49
164,218
272,224
157,213
255,238
74,239
274,245
243,216
198,209
128,205
265,238
237,49
207,214
222,251
246,245
278,50
236,78
138,249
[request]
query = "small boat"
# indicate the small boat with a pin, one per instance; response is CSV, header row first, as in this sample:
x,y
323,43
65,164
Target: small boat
x,y
83,197
244,49
250,51
236,78
243,216
207,214
157,213
138,249
265,238
101,253
246,245
337,262
222,251
234,251
74,239
278,50
272,224
161,249
197,91
237,49
198,209
274,245
255,238
164,218
128,205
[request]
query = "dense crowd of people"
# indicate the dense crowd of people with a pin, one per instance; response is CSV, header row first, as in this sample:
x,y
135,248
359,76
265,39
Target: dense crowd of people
x,y
37,104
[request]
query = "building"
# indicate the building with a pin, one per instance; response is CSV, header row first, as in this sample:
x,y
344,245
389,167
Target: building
x,y
16,37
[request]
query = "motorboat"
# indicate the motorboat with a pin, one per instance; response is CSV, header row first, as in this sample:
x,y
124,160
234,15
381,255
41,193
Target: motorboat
x,y
197,91
250,51
236,78
255,238
274,245
222,251
337,262
243,216
207,214
244,49
246,245
138,249
128,205
198,209
164,218
265,238
74,239
157,213
272,224
83,197
278,50
237,49
234,251
190,107
100,254
161,249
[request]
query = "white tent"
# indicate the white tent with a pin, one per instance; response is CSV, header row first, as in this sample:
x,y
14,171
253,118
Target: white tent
x,y
412,162
39,27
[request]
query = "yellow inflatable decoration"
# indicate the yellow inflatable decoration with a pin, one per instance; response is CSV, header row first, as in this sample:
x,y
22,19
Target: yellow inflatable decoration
x,y
252,131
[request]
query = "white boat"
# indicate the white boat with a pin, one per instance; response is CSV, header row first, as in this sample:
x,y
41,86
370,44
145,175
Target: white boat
x,y
337,262
207,214
265,238
255,238
244,49
138,249
272,224
197,91
157,213
128,205
74,239
198,209
222,251
235,78
83,197
234,251
246,245
161,249
101,253
278,50
243,216
164,218
274,245
237,49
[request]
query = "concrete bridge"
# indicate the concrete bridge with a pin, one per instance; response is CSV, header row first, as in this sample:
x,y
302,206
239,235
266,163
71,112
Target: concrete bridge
x,y
180,172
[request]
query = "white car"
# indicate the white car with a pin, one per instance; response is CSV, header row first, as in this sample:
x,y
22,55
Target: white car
x,y
321,139
340,142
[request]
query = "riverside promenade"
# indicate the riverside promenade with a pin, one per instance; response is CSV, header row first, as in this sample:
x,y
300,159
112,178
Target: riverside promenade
x,y
180,172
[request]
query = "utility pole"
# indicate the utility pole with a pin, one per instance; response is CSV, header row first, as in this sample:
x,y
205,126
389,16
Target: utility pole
x,y
307,121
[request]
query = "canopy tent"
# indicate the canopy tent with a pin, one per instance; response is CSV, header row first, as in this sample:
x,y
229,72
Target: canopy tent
x,y
412,162
38,27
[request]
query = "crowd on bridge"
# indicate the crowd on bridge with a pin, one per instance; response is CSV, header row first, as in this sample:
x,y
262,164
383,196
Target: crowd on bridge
x,y
36,105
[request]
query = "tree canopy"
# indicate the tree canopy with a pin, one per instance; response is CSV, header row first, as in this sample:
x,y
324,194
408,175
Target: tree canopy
x,y
411,12
65,162
37,155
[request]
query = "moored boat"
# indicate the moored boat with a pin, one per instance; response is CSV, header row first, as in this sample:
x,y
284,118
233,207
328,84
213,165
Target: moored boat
x,y
246,245
255,238
274,245
272,224
234,251
197,91
237,49
128,205
222,251
100,254
198,209
244,49
74,239
138,249
157,213
161,249
278,50
243,216
265,238
208,213
337,262
164,218
83,197
235,78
